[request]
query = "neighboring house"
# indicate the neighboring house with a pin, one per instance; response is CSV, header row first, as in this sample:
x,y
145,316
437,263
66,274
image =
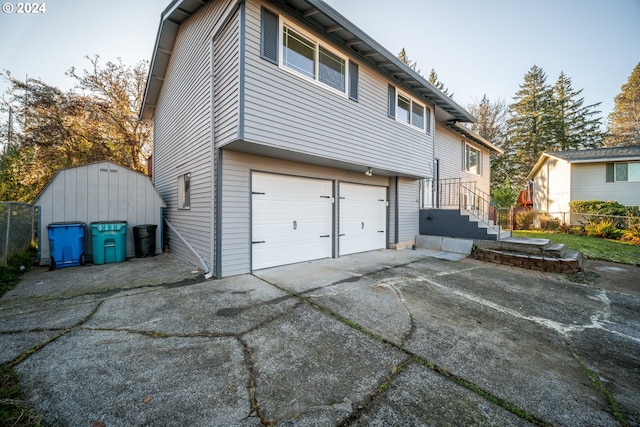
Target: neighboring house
x,y
608,174
101,191
283,133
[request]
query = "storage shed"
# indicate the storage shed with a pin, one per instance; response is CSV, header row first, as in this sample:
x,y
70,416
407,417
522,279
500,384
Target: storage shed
x,y
102,191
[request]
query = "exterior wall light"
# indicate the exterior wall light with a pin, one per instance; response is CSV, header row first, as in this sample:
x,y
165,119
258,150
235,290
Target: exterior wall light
x,y
369,172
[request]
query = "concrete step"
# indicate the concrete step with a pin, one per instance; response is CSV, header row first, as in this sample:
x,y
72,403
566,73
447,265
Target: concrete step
x,y
557,250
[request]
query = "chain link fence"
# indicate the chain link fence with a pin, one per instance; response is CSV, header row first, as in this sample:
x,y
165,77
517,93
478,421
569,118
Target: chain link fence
x,y
17,228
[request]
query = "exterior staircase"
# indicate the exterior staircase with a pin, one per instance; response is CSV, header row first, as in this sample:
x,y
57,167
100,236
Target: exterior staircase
x,y
461,211
534,254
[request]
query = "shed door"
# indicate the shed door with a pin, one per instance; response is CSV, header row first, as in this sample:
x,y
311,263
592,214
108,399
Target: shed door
x,y
363,218
291,219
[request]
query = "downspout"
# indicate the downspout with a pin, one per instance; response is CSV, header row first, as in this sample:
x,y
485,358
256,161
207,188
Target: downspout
x,y
208,273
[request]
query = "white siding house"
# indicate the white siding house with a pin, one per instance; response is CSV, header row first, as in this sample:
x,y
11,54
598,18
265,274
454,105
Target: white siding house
x,y
102,191
280,125
607,174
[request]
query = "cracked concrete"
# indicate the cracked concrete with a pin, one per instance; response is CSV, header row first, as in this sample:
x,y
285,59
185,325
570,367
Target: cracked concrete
x,y
379,338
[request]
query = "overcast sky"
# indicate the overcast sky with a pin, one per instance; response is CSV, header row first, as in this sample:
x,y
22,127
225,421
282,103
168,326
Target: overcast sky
x,y
476,47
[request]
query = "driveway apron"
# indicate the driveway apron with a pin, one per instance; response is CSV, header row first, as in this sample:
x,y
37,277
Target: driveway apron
x,y
379,338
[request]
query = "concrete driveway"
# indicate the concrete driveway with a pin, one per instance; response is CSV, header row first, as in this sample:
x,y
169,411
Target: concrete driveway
x,y
378,339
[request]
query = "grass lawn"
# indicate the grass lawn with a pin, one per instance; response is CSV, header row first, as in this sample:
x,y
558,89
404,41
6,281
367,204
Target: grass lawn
x,y
591,247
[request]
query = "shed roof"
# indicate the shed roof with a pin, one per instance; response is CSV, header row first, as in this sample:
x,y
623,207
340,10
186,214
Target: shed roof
x,y
596,155
104,162
319,15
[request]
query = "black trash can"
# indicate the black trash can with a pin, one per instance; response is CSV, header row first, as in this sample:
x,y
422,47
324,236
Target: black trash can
x,y
144,240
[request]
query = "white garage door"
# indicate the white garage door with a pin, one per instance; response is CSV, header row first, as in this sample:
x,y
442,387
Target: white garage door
x,y
363,218
291,219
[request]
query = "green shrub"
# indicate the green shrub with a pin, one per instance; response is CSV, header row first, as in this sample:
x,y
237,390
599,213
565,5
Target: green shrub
x,y
524,219
599,207
549,223
603,228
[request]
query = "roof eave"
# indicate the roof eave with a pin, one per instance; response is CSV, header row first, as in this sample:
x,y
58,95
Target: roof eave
x,y
389,64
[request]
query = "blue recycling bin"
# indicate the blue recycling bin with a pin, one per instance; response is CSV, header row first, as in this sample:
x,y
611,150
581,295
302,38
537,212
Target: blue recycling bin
x,y
66,244
109,241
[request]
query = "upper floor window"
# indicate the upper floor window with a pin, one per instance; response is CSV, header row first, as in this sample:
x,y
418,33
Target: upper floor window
x,y
313,60
407,110
623,172
471,159
298,51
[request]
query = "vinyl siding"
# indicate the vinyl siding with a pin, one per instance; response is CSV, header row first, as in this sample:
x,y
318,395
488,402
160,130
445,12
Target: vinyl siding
x,y
182,127
236,200
552,187
450,150
227,82
286,111
408,209
588,183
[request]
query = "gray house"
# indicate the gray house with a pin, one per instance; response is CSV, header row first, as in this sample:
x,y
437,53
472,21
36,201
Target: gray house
x,y
284,133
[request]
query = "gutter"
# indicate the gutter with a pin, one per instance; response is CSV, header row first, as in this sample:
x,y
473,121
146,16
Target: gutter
x,y
208,273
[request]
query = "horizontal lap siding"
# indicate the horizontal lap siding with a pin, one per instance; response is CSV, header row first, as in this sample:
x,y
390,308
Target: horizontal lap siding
x,y
450,151
286,111
588,182
182,132
226,82
408,209
236,200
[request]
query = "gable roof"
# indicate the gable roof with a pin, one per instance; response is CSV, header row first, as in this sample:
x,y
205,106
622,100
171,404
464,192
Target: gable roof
x,y
322,17
596,155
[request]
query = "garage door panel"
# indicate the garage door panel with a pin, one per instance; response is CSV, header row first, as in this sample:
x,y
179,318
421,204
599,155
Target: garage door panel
x,y
291,219
363,217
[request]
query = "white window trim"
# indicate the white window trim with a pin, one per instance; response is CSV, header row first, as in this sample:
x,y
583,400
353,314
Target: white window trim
x,y
615,171
479,160
426,117
314,39
182,205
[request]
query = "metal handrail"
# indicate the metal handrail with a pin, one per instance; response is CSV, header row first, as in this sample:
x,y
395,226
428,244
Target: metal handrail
x,y
477,203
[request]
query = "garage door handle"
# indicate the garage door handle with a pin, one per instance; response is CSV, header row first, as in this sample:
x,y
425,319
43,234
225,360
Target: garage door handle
x,y
363,225
380,231
295,225
326,235
259,241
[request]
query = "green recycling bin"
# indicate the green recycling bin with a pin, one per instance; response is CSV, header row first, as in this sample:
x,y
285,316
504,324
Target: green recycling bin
x,y
109,241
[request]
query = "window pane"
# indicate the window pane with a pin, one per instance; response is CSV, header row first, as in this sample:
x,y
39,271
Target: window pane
x,y
417,115
402,113
298,53
186,197
634,171
621,172
472,159
331,70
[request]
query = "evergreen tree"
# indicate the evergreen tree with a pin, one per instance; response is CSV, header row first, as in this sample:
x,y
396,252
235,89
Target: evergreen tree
x,y
530,124
433,79
624,120
402,56
573,124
